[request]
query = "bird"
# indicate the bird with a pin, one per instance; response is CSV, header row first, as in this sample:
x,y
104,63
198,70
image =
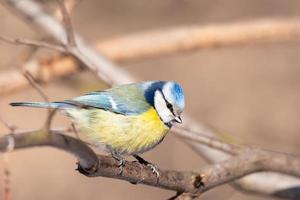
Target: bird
x,y
125,120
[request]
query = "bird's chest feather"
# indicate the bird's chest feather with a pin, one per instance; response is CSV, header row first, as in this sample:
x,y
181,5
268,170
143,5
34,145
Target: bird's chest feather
x,y
124,134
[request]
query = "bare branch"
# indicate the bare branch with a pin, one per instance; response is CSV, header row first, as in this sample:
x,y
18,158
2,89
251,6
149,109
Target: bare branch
x,y
191,38
139,46
252,160
181,39
87,55
107,166
87,158
208,141
38,88
74,130
35,85
49,119
34,43
70,6
67,23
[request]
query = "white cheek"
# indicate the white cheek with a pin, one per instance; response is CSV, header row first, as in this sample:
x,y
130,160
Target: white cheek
x,y
161,108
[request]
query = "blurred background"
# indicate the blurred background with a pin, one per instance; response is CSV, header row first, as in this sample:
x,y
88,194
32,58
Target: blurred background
x,y
250,94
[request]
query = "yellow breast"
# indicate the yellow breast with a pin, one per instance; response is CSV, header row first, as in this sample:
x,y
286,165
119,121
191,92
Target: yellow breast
x,y
124,134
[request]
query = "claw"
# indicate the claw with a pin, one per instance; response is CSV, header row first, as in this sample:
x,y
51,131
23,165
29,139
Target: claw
x,y
154,169
121,165
121,160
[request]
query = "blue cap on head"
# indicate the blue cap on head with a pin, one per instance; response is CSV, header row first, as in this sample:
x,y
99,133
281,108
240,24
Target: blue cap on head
x,y
172,92
178,95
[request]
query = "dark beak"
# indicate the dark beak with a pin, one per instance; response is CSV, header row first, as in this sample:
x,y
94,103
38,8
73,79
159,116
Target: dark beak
x,y
178,119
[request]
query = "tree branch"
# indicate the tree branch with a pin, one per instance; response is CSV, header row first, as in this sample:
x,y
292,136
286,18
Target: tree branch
x,y
170,41
106,166
92,165
34,43
67,23
43,71
208,141
35,85
197,37
87,158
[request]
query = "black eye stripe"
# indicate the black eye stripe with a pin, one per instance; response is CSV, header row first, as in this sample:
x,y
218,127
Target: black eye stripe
x,y
168,104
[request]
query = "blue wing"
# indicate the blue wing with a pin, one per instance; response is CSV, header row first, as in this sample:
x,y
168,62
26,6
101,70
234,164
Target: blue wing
x,y
131,99
126,99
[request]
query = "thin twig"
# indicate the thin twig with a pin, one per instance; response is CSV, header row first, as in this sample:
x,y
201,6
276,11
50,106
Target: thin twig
x,y
34,43
67,23
9,126
139,46
49,119
74,130
35,85
70,5
208,141
39,89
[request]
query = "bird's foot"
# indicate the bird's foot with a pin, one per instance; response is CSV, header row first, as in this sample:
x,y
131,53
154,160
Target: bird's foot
x,y
121,164
121,161
153,167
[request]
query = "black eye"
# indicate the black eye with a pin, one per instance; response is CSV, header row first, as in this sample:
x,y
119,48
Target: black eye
x,y
169,106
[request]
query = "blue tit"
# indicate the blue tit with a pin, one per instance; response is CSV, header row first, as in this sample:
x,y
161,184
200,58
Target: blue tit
x,y
125,120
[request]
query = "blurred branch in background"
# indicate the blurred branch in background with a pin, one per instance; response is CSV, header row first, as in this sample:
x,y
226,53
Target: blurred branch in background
x,y
190,38
112,74
33,43
160,43
67,23
43,70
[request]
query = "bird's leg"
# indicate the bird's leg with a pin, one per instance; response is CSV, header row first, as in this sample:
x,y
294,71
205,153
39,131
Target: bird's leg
x,y
120,159
150,165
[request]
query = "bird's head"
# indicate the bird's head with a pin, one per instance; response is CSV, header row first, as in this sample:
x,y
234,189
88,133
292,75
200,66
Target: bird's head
x,y
168,99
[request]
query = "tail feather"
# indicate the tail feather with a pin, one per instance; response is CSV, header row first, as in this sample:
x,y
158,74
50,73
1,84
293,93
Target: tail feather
x,y
41,104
